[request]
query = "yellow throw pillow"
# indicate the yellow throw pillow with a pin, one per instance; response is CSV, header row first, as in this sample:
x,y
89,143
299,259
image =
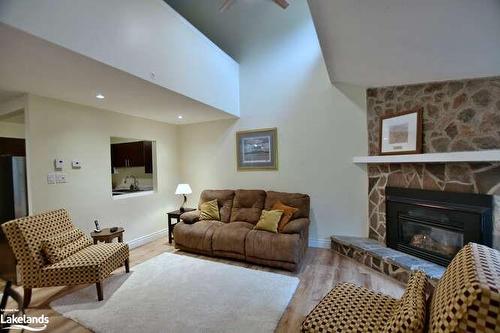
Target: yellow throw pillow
x,y
269,220
209,210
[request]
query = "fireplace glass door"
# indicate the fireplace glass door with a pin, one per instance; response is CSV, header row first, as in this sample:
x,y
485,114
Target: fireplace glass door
x,y
430,238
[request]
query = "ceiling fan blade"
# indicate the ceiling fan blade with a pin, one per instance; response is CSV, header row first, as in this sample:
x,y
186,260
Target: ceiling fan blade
x,y
282,3
225,5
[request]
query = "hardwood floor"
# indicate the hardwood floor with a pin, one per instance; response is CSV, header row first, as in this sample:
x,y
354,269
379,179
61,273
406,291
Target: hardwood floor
x,y
321,271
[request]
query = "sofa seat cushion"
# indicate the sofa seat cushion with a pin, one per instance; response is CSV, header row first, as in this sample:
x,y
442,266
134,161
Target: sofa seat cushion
x,y
349,308
248,205
196,236
89,265
231,237
271,246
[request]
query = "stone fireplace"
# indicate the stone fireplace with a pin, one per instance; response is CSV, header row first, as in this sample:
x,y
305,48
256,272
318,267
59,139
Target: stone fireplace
x,y
457,116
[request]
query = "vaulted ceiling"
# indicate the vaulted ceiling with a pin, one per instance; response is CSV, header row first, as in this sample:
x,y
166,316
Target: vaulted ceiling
x,y
389,42
375,43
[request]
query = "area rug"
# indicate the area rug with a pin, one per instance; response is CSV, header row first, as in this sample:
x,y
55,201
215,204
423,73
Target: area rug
x,y
177,293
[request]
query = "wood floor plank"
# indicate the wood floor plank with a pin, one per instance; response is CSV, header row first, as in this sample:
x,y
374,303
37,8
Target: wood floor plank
x,y
322,269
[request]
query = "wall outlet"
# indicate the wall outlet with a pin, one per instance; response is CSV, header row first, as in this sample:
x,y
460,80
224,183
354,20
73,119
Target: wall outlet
x,y
76,164
51,178
61,178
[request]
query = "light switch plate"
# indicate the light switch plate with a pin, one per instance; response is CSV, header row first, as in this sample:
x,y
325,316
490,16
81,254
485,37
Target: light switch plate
x,y
51,178
58,163
61,178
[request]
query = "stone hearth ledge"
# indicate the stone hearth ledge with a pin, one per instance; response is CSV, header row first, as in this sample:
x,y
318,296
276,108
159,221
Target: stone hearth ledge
x,y
391,262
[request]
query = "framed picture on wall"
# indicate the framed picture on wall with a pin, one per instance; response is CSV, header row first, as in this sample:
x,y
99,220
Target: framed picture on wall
x,y
257,149
401,133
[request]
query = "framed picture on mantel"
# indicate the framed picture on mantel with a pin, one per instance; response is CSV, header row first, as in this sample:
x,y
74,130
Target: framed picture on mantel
x,y
257,149
401,133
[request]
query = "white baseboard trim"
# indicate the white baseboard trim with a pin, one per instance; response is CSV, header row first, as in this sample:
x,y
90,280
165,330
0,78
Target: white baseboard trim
x,y
324,243
147,238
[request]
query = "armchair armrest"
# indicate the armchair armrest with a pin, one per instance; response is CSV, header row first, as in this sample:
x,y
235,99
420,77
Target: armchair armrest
x,y
190,217
296,226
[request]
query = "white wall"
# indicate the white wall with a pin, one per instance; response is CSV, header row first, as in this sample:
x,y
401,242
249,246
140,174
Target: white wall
x,y
11,130
393,42
138,37
284,84
57,129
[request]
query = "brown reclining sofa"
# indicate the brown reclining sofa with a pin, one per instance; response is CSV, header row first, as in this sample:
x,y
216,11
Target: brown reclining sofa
x,y
233,236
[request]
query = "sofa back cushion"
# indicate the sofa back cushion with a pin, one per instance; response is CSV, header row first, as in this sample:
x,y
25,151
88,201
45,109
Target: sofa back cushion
x,y
63,245
409,315
467,297
248,205
224,200
209,210
296,200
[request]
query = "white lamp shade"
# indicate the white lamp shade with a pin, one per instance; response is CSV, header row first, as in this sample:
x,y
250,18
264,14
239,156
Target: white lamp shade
x,y
183,189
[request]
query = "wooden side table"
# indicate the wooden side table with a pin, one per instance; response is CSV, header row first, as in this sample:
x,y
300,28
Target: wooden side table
x,y
107,236
176,214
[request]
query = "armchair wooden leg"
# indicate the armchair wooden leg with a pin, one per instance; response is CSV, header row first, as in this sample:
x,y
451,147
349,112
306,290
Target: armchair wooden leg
x,y
99,291
127,266
27,297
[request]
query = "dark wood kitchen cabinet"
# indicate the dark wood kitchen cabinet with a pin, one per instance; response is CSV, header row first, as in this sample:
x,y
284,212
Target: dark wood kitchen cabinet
x,y
132,154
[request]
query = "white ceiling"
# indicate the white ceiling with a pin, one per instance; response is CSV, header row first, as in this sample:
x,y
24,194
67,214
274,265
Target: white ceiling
x,y
390,42
32,65
8,95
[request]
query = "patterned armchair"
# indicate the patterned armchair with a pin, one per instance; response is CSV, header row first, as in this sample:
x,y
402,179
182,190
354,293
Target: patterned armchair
x,y
51,251
349,308
466,299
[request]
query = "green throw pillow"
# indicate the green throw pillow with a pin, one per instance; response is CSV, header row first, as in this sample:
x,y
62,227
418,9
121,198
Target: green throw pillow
x,y
209,210
269,220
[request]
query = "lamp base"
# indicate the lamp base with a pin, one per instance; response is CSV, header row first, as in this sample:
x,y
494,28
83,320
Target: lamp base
x,y
182,209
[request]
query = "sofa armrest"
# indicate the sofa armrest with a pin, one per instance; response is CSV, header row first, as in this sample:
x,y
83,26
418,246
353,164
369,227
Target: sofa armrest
x,y
296,226
190,217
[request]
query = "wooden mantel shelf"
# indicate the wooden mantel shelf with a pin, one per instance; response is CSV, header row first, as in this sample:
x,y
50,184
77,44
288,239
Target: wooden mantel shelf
x,y
453,157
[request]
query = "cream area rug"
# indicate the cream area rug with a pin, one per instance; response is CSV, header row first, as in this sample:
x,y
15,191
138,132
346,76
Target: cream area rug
x,y
176,293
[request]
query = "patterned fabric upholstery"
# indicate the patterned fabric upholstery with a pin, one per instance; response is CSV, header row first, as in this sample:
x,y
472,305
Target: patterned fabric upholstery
x,y
92,264
467,298
61,246
89,265
349,308
410,313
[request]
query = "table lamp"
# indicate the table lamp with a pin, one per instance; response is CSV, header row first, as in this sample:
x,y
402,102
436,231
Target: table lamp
x,y
183,189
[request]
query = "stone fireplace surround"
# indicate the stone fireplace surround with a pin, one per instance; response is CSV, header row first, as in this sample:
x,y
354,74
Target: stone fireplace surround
x,y
459,115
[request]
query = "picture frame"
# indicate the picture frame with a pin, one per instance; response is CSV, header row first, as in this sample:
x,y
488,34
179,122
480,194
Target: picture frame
x,y
257,149
401,133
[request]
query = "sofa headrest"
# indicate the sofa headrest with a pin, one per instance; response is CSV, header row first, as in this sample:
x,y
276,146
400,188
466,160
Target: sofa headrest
x,y
224,200
248,205
297,200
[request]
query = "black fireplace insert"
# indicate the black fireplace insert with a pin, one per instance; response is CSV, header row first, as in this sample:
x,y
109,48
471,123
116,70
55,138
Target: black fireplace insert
x,y
435,225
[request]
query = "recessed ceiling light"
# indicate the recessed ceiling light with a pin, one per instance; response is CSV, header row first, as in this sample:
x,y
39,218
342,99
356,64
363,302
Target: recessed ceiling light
x,y
179,117
99,96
